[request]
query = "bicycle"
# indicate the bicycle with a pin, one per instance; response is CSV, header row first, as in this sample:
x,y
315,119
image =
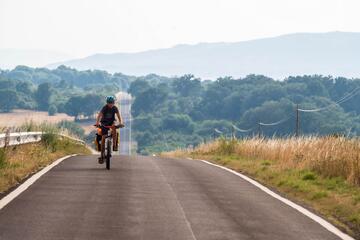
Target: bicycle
x,y
106,149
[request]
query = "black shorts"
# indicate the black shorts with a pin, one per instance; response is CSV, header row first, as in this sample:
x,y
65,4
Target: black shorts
x,y
105,130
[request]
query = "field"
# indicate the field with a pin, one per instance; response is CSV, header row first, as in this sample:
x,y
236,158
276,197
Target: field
x,y
320,173
20,117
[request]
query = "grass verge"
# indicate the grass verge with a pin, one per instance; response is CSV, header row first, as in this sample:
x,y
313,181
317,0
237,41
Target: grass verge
x,y
18,162
320,173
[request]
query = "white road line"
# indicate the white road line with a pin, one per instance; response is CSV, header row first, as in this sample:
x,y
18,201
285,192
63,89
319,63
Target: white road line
x,y
297,207
12,195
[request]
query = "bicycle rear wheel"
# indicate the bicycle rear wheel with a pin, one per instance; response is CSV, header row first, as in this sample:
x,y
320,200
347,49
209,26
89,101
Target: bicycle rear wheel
x,y
108,155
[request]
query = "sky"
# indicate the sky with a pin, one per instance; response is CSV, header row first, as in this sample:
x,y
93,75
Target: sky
x,y
83,27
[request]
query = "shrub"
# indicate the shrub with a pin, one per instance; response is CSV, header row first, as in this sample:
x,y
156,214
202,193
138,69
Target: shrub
x,y
72,127
50,140
227,147
309,176
2,158
29,126
52,110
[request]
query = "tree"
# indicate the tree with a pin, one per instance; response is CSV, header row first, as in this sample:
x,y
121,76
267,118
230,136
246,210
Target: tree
x,y
187,85
147,123
52,111
148,101
7,84
43,96
91,104
137,87
83,105
178,123
271,112
25,87
8,100
74,106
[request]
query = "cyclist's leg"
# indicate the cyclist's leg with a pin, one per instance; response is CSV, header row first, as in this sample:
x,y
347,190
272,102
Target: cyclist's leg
x,y
103,143
102,156
113,132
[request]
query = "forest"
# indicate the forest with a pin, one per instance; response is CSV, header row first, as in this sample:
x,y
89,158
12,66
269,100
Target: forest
x,y
173,112
64,90
186,111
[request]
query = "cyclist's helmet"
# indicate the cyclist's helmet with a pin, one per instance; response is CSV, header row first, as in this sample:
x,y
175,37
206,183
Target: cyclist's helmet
x,y
110,99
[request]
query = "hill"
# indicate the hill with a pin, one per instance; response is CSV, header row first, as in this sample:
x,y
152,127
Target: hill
x,y
333,53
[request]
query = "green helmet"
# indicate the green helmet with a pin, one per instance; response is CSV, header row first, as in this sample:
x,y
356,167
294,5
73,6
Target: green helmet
x,y
110,99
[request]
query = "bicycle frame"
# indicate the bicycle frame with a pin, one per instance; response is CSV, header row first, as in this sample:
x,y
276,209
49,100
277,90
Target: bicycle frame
x,y
107,143
106,150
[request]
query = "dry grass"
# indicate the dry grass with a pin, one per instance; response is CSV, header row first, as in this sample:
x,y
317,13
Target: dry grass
x,y
45,127
21,120
327,156
16,163
19,117
321,172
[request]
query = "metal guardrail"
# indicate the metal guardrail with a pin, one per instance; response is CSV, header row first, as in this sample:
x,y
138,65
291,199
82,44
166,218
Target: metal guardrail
x,y
18,138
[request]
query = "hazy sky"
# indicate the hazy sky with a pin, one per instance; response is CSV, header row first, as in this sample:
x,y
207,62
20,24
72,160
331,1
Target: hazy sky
x,y
84,27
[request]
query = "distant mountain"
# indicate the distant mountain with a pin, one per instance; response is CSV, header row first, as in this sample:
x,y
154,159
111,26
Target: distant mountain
x,y
10,58
334,53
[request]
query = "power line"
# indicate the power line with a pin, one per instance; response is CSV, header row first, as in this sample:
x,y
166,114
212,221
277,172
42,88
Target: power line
x,y
218,131
346,98
276,123
242,130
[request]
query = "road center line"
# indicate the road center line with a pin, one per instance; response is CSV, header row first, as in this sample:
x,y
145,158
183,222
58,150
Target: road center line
x,y
188,224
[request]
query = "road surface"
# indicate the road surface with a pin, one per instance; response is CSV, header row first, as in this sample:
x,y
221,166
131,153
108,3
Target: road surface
x,y
149,198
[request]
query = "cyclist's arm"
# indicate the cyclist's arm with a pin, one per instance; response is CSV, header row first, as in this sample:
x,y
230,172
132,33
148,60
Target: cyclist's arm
x,y
120,118
99,116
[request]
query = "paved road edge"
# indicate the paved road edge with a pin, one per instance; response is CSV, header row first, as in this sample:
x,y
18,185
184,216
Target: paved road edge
x,y
21,188
291,204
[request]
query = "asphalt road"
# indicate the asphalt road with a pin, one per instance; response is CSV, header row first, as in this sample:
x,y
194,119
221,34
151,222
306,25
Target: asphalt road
x,y
149,198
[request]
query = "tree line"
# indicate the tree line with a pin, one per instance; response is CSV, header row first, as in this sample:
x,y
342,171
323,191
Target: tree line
x,y
184,111
65,90
171,112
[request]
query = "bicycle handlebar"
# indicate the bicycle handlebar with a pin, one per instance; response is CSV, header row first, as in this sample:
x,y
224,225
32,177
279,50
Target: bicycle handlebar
x,y
116,126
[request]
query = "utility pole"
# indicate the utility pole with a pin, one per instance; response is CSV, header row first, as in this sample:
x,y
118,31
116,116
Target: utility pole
x,y
297,121
259,129
232,133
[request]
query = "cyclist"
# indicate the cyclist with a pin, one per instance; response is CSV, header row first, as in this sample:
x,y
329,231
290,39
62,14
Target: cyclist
x,y
107,118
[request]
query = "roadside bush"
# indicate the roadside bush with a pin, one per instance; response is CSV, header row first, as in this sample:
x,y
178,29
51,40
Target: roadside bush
x,y
72,127
52,111
50,141
227,147
29,126
2,158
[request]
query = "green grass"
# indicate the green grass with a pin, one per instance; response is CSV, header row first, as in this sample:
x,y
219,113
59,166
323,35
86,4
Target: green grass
x,y
321,173
334,197
2,158
16,163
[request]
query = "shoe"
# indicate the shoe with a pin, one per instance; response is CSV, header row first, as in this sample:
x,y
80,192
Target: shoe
x,y
101,160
